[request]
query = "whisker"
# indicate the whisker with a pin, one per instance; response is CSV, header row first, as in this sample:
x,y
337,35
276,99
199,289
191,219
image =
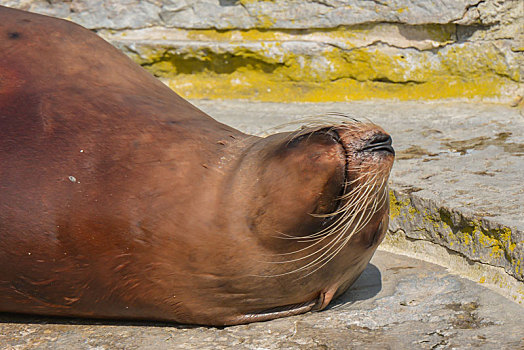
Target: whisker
x,y
364,194
326,255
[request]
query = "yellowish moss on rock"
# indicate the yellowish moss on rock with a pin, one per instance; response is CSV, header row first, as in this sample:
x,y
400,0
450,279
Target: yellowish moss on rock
x,y
259,86
271,71
471,237
460,60
394,205
367,61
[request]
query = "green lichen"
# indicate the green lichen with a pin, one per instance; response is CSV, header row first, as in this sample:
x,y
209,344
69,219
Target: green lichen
x,y
334,76
168,64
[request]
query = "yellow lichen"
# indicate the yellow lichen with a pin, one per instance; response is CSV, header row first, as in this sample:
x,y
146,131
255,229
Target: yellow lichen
x,y
395,207
469,235
332,76
261,87
340,71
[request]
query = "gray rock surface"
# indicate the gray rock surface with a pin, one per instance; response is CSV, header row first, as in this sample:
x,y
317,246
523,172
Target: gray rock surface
x,y
397,303
290,14
244,14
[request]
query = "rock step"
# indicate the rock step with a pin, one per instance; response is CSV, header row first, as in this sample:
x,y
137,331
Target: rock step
x,y
343,64
315,51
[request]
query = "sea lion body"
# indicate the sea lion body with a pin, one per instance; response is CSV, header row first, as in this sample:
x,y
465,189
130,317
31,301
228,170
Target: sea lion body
x,y
119,199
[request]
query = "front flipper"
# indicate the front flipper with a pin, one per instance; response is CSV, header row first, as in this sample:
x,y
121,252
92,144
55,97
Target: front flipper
x,y
277,312
318,304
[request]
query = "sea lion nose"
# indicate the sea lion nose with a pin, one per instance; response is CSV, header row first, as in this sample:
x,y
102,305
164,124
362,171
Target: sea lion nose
x,y
379,142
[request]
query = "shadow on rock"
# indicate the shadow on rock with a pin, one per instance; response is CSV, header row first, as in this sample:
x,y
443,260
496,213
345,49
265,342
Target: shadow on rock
x,y
365,287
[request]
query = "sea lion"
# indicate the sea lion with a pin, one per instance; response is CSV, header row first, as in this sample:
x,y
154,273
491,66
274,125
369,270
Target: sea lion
x,y
119,199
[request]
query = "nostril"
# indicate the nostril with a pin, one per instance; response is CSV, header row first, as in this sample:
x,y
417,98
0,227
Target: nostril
x,y
379,142
380,139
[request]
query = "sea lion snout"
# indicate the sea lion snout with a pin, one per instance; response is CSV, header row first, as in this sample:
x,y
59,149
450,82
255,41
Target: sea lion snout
x,y
365,137
379,142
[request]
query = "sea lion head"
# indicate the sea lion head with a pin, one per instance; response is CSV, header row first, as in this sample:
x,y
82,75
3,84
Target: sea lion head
x,y
315,203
